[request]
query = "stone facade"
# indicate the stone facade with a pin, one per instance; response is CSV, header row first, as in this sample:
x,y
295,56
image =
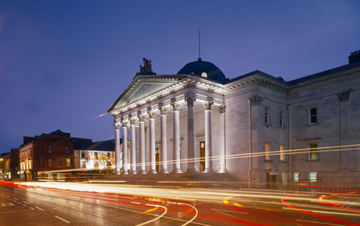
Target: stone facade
x,y
258,128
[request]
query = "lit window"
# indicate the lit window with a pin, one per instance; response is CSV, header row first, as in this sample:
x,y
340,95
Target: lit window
x,y
109,154
312,115
266,116
49,162
282,154
296,177
83,164
96,164
281,119
49,149
313,151
96,155
267,151
312,176
68,163
204,74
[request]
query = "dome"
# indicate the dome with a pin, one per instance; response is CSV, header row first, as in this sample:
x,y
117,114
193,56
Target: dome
x,y
203,68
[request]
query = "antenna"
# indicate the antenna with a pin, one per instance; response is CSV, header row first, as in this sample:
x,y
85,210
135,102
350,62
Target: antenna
x,y
199,47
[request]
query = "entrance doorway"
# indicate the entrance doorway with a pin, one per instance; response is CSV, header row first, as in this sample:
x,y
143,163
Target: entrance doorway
x,y
202,156
157,159
270,180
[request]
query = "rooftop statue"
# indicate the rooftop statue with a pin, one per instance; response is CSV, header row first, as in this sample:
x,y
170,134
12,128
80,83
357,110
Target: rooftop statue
x,y
146,69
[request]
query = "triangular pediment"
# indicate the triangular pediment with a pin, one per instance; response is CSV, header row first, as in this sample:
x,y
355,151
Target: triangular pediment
x,y
143,86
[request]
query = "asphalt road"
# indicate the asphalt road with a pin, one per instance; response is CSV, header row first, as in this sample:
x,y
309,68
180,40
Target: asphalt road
x,y
93,204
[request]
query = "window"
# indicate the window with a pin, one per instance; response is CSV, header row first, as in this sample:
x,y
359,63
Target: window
x,y
41,163
267,151
312,116
282,154
313,153
109,154
108,163
83,154
266,116
83,164
296,177
49,149
96,155
312,176
96,164
49,162
60,162
281,119
284,178
67,149
68,163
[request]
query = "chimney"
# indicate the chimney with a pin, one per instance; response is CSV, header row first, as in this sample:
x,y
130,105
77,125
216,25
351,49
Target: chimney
x,y
354,57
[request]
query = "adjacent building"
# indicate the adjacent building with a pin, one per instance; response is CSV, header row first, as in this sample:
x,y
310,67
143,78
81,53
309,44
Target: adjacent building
x,y
256,127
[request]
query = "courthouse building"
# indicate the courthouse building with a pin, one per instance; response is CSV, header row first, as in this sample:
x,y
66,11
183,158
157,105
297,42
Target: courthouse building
x,y
255,127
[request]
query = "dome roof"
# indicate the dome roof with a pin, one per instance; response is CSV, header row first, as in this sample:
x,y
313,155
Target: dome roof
x,y
199,67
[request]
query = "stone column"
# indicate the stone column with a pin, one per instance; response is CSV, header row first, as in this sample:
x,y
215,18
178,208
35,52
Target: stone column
x,y
176,133
190,134
133,144
125,154
142,142
208,138
222,167
152,141
163,150
117,125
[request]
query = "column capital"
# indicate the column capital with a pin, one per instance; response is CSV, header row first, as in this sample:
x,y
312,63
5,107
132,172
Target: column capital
x,y
344,96
163,110
255,100
190,101
117,125
222,109
208,105
133,120
125,123
152,113
176,106
141,117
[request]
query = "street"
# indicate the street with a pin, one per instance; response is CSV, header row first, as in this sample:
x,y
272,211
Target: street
x,y
35,203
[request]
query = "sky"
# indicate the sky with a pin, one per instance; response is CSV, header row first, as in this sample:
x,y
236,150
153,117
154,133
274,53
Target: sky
x,y
64,63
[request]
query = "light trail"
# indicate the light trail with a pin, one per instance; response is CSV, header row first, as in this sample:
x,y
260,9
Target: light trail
x,y
157,218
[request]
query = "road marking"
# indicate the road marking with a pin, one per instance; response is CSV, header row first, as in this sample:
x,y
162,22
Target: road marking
x,y
3,204
14,211
157,218
194,216
229,211
39,208
136,202
25,202
11,204
24,205
62,219
31,208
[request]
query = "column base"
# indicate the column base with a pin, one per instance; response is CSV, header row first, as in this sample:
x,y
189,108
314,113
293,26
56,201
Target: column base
x,y
153,172
165,171
177,171
142,172
133,172
191,171
117,173
208,170
125,173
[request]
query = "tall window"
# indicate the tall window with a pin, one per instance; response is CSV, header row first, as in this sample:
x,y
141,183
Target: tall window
x,y
296,177
49,163
313,153
96,164
312,115
312,176
267,151
281,119
266,116
109,154
83,154
68,163
96,155
67,149
284,178
49,148
282,154
83,164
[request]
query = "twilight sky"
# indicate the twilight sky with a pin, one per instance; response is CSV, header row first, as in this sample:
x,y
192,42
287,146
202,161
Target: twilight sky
x,y
64,63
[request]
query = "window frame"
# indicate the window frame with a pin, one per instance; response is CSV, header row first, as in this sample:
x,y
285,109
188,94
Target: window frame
x,y
281,119
312,116
282,154
267,149
313,150
49,149
267,115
